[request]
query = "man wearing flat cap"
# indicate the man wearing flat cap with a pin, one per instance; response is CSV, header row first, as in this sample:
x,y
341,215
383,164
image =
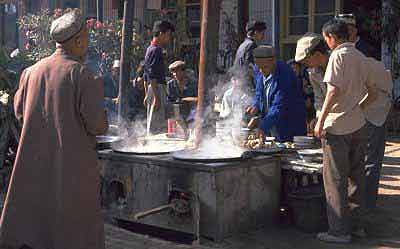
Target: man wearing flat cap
x,y
360,44
312,52
182,88
154,76
53,196
278,99
244,59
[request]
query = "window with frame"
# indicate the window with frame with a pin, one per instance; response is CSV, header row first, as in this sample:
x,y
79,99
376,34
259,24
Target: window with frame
x,y
302,16
309,15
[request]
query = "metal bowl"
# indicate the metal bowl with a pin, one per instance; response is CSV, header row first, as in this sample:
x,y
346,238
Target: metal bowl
x,y
105,142
311,155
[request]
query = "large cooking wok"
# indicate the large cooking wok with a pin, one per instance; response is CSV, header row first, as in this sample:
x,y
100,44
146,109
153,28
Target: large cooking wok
x,y
149,146
203,156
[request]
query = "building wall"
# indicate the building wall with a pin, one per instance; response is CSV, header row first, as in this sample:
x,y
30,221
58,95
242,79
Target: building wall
x,y
387,57
140,6
109,13
228,20
261,10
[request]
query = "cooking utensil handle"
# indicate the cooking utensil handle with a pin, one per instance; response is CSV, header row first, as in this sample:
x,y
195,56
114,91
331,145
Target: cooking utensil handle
x,y
156,210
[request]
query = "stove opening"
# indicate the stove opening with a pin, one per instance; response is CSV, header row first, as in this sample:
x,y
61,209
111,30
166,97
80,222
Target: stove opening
x,y
116,195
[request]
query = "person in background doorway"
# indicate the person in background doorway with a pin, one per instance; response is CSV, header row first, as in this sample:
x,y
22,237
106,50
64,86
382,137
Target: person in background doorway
x,y
341,126
138,112
154,76
53,197
278,99
111,91
111,87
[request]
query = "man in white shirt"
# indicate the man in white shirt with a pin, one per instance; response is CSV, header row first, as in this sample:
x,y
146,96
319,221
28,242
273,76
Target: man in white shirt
x,y
376,114
341,125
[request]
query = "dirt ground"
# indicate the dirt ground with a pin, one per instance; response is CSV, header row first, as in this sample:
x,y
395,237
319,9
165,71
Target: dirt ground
x,y
383,229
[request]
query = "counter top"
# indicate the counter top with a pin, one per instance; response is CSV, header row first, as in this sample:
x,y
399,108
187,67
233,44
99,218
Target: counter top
x,y
167,160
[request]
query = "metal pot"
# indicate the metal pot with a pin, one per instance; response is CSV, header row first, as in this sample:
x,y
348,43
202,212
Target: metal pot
x,y
240,135
104,142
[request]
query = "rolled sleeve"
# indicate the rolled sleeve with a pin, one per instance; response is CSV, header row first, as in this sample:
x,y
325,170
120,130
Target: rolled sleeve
x,y
334,74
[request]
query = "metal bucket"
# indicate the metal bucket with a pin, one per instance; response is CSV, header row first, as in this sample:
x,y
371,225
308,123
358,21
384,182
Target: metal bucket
x,y
308,207
222,130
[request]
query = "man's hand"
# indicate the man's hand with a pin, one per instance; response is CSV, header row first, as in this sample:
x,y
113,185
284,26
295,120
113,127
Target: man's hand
x,y
253,123
319,129
145,100
156,102
252,110
189,99
313,123
261,136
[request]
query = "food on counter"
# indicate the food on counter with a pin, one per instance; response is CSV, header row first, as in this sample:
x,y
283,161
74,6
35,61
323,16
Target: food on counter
x,y
254,142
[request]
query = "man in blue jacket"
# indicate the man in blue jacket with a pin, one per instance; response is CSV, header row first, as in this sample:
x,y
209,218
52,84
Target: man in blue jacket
x,y
278,100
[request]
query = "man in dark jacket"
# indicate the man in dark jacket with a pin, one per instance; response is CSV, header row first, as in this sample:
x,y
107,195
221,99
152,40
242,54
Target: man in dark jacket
x,y
244,55
154,76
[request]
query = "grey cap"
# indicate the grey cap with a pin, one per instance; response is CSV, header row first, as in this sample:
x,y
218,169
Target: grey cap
x,y
67,26
306,44
264,51
176,65
347,18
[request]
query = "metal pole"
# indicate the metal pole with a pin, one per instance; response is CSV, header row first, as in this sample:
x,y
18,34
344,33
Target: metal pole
x,y
16,25
276,27
2,24
99,10
202,72
124,76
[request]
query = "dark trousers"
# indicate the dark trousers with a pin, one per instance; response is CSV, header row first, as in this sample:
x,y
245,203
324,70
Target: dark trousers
x,y
374,158
344,180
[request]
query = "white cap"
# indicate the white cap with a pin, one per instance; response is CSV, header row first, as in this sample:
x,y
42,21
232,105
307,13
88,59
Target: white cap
x,y
14,53
116,64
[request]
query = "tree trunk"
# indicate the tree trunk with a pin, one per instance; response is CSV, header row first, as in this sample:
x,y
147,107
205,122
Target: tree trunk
x,y
181,27
207,66
124,77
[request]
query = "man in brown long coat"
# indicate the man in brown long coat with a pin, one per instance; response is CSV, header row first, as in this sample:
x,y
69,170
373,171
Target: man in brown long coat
x,y
53,197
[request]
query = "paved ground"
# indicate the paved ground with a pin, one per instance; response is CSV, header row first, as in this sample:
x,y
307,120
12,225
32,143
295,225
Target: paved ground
x,y
383,229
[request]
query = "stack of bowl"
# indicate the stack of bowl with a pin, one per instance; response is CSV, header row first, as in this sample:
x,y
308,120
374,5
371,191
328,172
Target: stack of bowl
x,y
222,129
311,155
305,142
